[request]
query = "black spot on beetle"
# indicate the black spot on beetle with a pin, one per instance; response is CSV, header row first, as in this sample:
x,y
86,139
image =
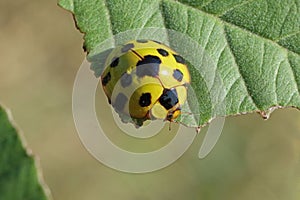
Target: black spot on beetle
x,y
163,52
148,66
120,102
145,99
106,79
127,47
177,74
169,98
142,41
126,80
115,62
179,59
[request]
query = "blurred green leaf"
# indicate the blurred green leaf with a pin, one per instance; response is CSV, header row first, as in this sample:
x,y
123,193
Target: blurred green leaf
x,y
254,45
18,172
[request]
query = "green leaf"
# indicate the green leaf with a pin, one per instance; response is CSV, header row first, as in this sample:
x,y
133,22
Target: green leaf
x,y
18,173
254,46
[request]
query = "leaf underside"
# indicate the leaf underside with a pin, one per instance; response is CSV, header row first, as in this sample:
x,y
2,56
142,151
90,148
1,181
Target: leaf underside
x,y
18,172
254,44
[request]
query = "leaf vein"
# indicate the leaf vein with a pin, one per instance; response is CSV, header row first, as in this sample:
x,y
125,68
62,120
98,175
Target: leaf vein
x,y
286,36
283,23
238,68
208,37
234,7
294,75
108,18
262,58
135,14
207,3
276,81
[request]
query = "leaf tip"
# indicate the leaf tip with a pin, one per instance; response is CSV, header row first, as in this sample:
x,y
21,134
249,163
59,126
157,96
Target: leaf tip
x,y
267,113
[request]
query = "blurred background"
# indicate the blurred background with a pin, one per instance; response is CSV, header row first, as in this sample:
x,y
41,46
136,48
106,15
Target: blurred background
x,y
41,51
